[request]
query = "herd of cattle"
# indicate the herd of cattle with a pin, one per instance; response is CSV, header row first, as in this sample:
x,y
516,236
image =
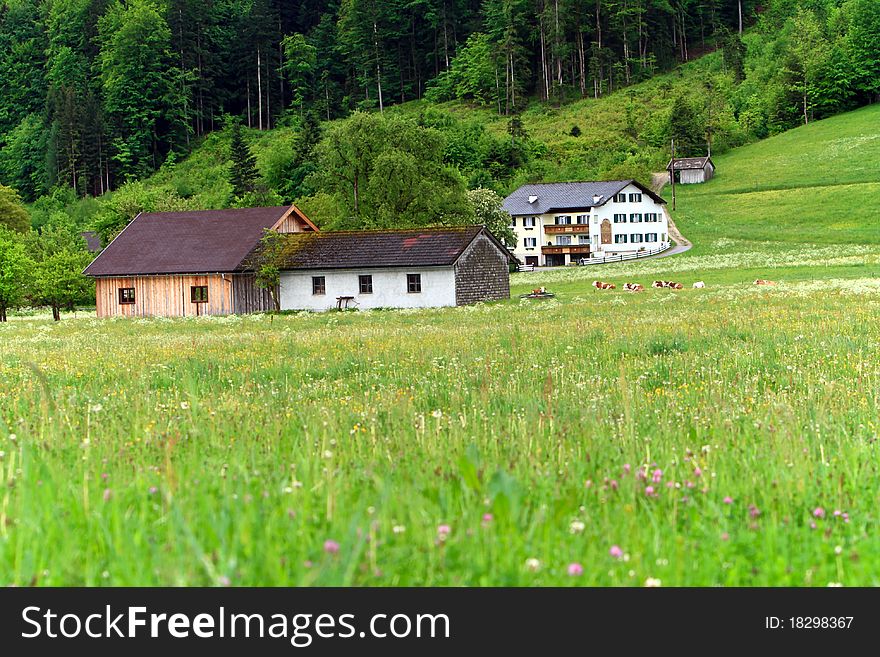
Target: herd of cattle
x,y
638,287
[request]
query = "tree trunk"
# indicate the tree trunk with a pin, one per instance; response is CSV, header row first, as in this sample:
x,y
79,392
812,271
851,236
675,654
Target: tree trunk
x,y
806,118
378,67
2,312
259,93
739,9
56,312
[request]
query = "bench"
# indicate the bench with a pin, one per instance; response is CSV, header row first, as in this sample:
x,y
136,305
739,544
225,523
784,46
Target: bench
x,y
343,302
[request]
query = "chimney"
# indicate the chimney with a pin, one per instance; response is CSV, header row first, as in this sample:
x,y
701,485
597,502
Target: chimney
x,y
596,199
532,199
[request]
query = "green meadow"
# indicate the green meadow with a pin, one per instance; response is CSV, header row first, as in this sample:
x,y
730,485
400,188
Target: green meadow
x,y
717,436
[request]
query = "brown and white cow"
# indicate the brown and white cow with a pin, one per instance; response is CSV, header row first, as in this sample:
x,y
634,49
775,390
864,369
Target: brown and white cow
x,y
599,285
633,287
670,284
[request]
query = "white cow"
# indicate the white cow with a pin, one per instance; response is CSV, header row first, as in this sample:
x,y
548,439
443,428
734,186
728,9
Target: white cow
x,y
699,284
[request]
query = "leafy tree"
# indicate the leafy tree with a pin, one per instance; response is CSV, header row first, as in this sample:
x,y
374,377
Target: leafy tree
x,y
863,45
13,214
59,259
268,264
388,172
243,172
299,67
23,158
809,54
488,211
15,268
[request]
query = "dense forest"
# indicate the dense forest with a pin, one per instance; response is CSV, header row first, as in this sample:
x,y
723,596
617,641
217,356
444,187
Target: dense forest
x,y
99,96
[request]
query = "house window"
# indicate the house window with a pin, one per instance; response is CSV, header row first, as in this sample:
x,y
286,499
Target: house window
x,y
620,239
635,218
563,219
635,238
583,239
650,237
563,240
198,293
366,284
319,285
528,222
513,222
620,198
413,283
530,242
126,295
595,218
583,218
620,218
663,237
635,198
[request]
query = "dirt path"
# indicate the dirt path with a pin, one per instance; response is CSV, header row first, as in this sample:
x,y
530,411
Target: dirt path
x,y
658,182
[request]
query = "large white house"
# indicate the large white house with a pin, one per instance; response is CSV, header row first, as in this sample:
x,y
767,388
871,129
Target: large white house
x,y
560,223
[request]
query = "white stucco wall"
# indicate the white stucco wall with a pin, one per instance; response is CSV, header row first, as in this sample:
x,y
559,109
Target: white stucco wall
x,y
389,288
597,215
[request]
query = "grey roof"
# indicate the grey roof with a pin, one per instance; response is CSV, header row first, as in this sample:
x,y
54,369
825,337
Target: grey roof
x,y
359,249
193,242
690,163
567,196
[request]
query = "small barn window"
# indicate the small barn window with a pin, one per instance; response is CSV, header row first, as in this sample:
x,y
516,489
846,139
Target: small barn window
x,y
319,285
413,283
126,295
366,284
635,198
198,293
620,198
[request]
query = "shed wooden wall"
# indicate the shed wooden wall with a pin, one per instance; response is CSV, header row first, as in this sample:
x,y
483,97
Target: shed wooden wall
x,y
292,224
164,296
247,297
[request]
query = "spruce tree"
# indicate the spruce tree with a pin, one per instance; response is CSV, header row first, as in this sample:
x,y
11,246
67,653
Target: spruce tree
x,y
243,174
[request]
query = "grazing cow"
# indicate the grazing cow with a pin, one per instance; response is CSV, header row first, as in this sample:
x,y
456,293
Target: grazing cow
x,y
762,281
539,290
599,285
699,284
633,287
669,284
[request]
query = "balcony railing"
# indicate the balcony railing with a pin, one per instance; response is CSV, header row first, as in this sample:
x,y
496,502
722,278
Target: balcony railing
x,y
554,229
581,249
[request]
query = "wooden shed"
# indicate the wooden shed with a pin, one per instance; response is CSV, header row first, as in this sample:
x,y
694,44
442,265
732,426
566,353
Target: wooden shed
x,y
179,264
691,170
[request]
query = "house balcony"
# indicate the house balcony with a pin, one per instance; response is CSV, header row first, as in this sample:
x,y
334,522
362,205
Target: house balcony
x,y
573,249
556,229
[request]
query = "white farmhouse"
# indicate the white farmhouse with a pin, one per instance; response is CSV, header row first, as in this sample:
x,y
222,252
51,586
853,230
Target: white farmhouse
x,y
413,268
560,223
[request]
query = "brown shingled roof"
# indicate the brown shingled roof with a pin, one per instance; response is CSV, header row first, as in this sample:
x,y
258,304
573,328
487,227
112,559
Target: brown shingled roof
x,y
682,163
418,247
185,242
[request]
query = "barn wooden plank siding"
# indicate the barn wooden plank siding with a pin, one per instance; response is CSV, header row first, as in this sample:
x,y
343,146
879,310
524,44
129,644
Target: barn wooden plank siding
x,y
247,297
482,273
164,296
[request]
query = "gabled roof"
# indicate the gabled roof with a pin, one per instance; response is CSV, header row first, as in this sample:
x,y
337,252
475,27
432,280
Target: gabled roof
x,y
690,163
364,249
550,197
195,242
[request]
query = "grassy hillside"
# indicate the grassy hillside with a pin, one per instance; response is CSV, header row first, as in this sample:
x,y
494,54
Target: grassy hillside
x,y
816,184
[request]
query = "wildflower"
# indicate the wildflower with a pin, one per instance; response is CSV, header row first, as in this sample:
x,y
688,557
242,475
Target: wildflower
x,y
331,547
184,405
834,585
328,454
725,536
576,527
812,525
97,408
657,476
437,413
697,472
12,437
107,494
649,490
653,583
838,549
575,569
641,474
754,511
818,512
728,500
533,565
836,513
398,529
153,490
613,484
443,531
224,581
588,483
615,552
626,468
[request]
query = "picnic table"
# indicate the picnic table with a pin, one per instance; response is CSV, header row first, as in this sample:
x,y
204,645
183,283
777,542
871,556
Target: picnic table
x,y
342,302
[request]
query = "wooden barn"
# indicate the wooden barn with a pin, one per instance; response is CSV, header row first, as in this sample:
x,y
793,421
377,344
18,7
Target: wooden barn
x,y
691,170
180,264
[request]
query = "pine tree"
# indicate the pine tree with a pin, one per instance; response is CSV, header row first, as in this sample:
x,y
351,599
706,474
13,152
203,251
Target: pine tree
x,y
243,174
